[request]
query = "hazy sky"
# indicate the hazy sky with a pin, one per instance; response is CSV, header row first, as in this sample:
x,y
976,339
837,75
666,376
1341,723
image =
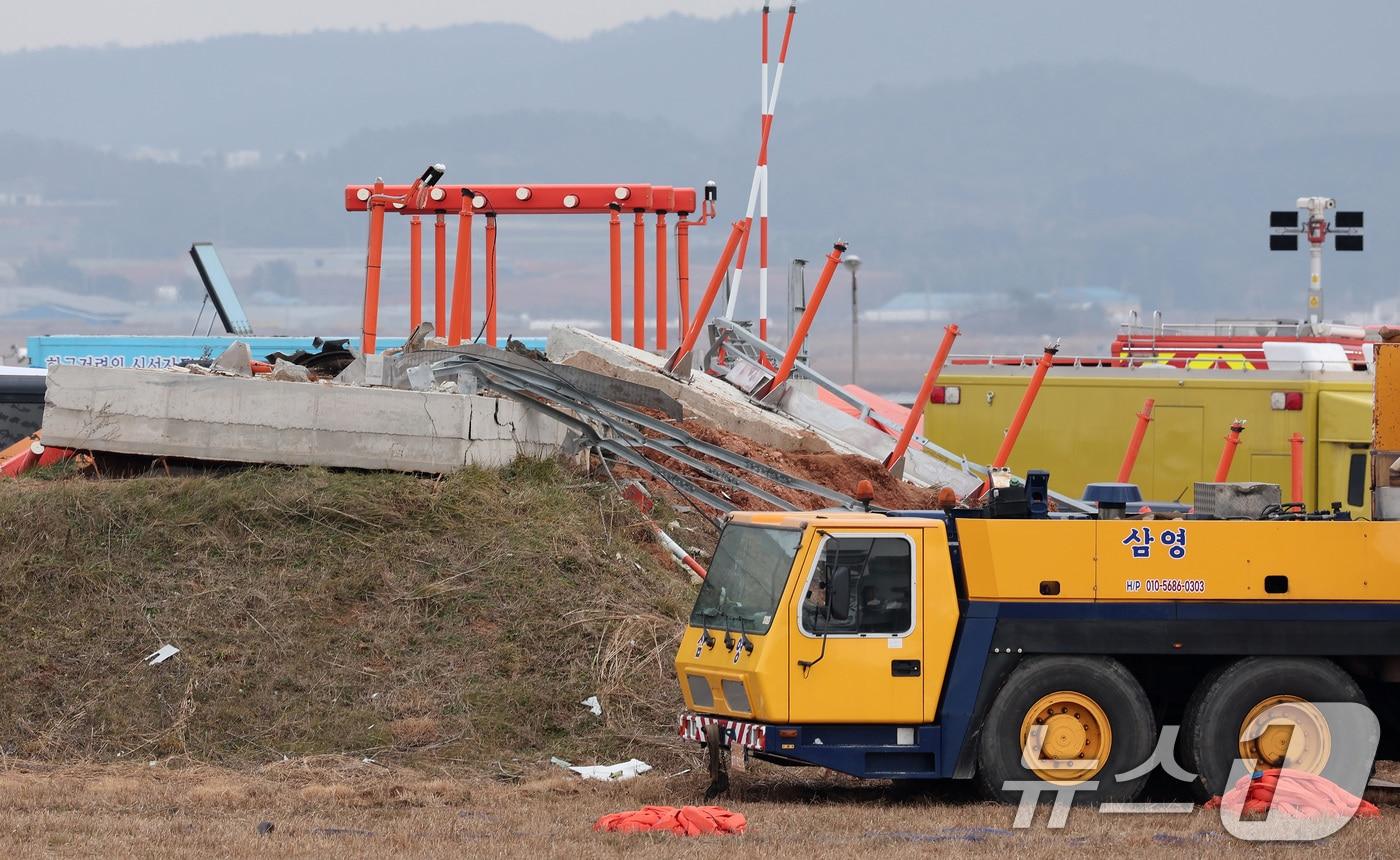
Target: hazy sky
x,y
136,22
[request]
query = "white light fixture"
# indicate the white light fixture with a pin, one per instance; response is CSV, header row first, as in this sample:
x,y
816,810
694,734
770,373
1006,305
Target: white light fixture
x,y
570,201
437,193
362,194
478,202
522,193
622,192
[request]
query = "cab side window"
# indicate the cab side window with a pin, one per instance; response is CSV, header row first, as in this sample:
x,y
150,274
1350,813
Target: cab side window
x,y
861,585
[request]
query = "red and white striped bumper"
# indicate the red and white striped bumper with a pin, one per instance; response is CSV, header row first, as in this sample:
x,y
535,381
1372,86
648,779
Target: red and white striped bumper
x,y
748,735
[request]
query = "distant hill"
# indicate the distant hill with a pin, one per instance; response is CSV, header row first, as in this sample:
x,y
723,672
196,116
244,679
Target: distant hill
x,y
956,147
307,92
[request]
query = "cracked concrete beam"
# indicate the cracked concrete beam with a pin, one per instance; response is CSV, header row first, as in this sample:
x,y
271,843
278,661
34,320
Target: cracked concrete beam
x,y
161,413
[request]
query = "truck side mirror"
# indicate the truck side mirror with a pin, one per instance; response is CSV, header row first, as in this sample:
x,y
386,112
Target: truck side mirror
x,y
838,594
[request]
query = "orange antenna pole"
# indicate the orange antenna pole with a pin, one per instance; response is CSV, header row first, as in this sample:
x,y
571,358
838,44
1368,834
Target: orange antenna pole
x,y
661,283
683,270
615,270
833,259
1295,445
415,272
462,277
440,275
950,334
374,257
491,278
1227,453
639,279
1130,456
1023,410
692,334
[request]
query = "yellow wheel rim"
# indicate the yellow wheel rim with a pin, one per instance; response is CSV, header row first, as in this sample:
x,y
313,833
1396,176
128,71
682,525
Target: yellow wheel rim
x,y
1285,727
1065,738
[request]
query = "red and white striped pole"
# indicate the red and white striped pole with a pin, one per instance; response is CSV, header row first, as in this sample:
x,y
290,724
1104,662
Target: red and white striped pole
x,y
758,189
769,103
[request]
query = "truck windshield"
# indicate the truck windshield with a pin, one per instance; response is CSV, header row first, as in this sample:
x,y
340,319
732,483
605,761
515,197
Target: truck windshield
x,y
746,578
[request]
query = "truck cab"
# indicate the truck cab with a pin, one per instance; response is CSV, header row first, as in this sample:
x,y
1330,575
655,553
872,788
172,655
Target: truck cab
x,y
839,618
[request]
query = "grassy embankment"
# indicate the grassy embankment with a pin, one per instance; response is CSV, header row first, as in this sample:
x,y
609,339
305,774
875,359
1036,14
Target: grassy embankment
x,y
459,620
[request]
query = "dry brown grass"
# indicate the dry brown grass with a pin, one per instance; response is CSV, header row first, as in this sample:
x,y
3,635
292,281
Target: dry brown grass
x,y
350,809
458,621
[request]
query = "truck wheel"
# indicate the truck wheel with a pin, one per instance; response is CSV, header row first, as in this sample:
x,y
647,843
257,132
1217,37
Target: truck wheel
x,y
1077,719
1268,699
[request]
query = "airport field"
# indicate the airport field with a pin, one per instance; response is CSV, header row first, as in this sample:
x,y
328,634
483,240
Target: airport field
x,y
342,807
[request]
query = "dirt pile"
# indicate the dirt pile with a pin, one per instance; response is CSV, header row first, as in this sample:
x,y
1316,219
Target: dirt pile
x,y
840,472
378,615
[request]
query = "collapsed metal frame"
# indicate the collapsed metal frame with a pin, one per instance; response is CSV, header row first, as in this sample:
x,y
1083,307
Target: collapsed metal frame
x,y
729,339
531,384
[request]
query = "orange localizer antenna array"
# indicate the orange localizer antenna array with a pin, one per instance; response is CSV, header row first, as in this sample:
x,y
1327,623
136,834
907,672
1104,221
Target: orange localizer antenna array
x,y
491,278
683,271
374,258
440,275
1023,410
454,320
1295,453
737,232
794,346
661,322
1227,453
461,322
415,271
906,435
1125,471
615,272
639,279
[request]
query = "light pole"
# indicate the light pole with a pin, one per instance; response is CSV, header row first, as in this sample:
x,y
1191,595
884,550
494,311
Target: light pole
x,y
853,263
1346,229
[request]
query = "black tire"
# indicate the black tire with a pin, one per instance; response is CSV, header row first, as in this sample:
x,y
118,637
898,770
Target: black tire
x,y
1210,731
1130,719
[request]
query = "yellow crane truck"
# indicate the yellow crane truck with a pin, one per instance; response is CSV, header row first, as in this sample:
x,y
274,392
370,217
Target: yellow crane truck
x,y
1009,643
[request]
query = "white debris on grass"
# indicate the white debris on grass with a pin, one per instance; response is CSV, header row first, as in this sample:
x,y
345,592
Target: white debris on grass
x,y
160,655
604,772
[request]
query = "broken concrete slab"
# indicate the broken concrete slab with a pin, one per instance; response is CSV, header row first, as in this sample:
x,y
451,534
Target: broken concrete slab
x,y
705,397
800,400
354,372
236,359
264,421
803,422
285,371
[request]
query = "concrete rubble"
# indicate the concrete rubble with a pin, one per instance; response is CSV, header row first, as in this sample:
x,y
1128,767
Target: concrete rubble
x,y
408,411
709,399
173,414
802,421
